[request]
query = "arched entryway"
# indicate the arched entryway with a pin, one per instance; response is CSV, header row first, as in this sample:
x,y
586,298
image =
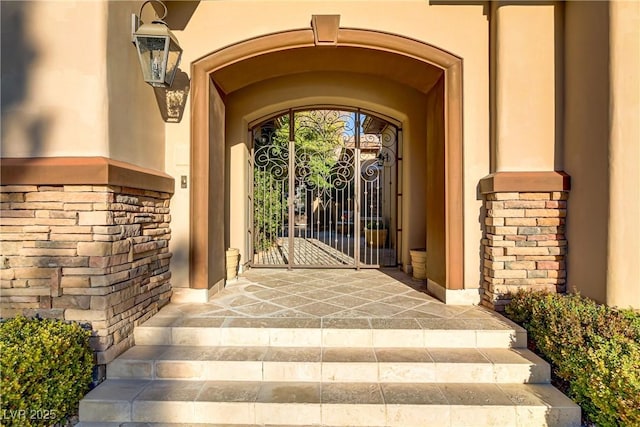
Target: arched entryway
x,y
386,73
324,190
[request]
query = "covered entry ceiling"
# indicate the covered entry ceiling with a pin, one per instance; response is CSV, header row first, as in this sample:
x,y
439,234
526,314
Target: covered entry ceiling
x,y
402,69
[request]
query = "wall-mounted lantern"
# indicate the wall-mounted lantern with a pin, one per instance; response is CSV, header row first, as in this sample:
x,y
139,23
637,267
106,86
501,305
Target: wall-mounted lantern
x,y
158,49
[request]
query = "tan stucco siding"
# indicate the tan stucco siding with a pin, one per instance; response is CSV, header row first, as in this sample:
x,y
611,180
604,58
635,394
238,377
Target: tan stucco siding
x,y
525,40
435,194
72,85
136,129
586,145
624,156
601,150
55,100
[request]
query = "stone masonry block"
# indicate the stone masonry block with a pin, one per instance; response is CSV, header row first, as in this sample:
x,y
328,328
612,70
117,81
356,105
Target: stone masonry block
x,y
55,283
109,279
509,274
528,230
75,282
121,247
525,204
42,291
47,252
520,222
78,207
84,315
494,265
527,251
526,243
18,188
550,265
54,206
562,250
33,273
36,229
11,197
90,271
63,215
504,196
494,221
95,248
515,237
78,188
75,229
108,261
550,221
505,230
535,196
506,213
109,230
539,237
7,274
545,213
81,302
96,218
70,237
520,265
10,248
14,213
536,274
552,243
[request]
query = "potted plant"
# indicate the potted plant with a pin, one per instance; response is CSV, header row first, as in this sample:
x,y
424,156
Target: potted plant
x,y
375,233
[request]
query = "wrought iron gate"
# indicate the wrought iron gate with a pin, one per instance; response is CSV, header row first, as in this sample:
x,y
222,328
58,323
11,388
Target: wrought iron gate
x,y
325,190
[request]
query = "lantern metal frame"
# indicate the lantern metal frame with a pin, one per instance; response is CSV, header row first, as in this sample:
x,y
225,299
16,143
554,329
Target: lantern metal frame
x,y
159,43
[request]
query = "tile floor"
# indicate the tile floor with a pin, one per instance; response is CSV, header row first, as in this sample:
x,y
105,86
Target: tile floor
x,y
337,298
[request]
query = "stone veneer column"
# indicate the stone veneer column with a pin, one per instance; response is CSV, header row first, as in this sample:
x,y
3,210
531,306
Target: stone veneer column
x,y
95,254
524,243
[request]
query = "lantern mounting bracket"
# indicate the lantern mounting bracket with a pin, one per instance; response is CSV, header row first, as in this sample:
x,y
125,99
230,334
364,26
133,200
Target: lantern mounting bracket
x,y
135,19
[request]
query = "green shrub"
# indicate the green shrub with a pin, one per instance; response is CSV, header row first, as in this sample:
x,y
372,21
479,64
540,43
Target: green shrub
x,y
46,367
594,348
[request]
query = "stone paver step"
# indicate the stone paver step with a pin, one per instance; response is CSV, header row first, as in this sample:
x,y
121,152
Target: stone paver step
x,y
333,404
331,332
335,364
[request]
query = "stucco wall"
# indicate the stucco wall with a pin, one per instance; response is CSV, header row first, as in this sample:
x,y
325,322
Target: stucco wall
x,y
72,86
601,149
136,129
460,29
527,46
435,194
54,93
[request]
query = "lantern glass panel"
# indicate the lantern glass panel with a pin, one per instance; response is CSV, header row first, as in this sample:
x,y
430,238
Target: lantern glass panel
x,y
152,52
173,61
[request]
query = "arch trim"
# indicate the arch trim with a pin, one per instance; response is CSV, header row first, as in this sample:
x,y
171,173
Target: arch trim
x,y
207,119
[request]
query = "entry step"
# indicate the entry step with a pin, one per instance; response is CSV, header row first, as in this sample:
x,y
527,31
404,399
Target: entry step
x,y
328,404
334,332
337,364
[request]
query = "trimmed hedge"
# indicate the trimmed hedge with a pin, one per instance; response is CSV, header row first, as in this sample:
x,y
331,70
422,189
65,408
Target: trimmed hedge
x,y
46,367
594,348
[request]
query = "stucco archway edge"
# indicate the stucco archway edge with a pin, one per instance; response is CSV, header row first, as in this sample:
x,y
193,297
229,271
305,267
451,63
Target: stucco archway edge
x,y
207,126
